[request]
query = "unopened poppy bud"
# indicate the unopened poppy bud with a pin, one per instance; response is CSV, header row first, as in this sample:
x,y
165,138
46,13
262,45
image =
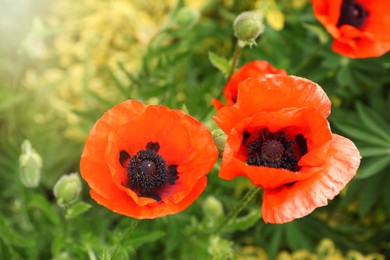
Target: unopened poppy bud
x,y
247,27
212,208
186,18
30,164
219,138
67,189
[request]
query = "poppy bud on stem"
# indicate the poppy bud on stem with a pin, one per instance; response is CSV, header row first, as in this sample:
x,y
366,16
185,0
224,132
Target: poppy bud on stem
x,y
219,138
212,208
67,189
30,164
247,27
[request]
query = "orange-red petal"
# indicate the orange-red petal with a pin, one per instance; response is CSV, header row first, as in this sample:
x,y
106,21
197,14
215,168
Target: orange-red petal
x,y
129,127
306,121
300,199
124,205
92,165
250,69
372,39
269,93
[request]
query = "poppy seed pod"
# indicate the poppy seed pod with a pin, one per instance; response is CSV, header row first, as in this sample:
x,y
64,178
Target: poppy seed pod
x,y
248,26
67,189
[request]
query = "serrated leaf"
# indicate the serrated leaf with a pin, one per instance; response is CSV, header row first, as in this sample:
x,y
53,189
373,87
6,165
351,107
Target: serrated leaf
x,y
76,209
373,166
373,121
222,64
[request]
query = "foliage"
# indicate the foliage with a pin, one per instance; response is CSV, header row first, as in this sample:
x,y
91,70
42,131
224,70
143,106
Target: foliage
x,y
82,57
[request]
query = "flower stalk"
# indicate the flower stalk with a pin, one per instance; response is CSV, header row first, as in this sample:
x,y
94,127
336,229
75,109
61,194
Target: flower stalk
x,y
233,214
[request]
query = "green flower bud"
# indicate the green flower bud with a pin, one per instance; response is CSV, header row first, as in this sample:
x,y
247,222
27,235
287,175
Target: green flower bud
x,y
220,248
185,18
67,189
247,27
219,138
30,164
212,208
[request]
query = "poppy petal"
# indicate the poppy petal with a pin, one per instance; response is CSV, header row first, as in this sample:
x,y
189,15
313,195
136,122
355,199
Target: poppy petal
x,y
93,169
269,93
300,199
371,39
181,142
124,205
306,121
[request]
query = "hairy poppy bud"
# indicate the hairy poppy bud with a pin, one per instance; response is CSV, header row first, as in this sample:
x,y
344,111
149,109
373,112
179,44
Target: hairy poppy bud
x,y
219,138
247,27
186,18
212,208
30,164
67,189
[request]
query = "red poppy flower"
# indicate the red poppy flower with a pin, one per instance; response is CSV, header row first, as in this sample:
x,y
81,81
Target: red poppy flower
x,y
279,138
360,28
147,161
251,69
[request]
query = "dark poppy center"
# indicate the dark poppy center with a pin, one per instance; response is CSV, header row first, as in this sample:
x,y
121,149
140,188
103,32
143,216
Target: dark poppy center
x,y
352,13
147,171
275,150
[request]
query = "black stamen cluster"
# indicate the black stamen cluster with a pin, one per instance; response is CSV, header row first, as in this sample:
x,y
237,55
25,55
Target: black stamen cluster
x,y
274,150
352,13
147,171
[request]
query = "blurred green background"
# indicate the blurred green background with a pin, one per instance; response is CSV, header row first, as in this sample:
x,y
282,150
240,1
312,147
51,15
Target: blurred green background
x,y
63,63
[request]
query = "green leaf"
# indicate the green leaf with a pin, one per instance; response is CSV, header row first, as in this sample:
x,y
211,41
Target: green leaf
x,y
371,190
220,63
373,121
118,83
245,222
373,166
138,238
40,202
295,236
106,254
318,31
360,133
276,241
5,250
76,209
372,151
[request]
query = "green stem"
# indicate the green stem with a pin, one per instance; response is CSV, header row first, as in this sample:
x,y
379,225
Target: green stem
x,y
233,214
236,57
